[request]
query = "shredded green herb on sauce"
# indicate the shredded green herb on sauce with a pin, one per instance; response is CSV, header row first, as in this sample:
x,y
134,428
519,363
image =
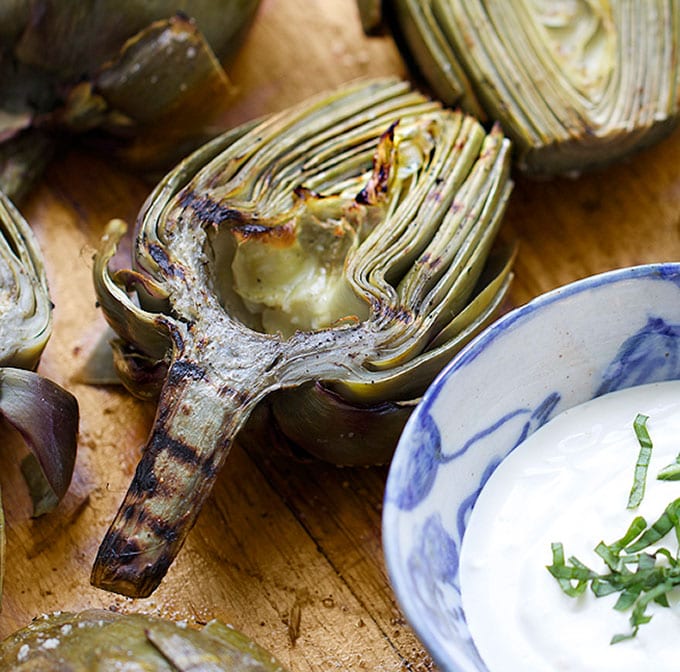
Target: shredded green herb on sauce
x,y
670,472
637,492
638,575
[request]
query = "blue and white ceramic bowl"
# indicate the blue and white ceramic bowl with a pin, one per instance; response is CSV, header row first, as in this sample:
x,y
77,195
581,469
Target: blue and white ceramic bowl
x,y
597,335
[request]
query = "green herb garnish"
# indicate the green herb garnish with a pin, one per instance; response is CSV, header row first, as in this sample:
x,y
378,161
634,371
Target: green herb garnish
x,y
670,472
639,576
637,492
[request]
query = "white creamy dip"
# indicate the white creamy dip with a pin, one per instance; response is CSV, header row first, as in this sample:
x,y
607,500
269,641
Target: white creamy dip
x,y
569,482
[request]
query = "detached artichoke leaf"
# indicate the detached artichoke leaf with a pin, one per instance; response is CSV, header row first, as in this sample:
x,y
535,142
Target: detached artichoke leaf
x,y
574,84
105,640
340,243
46,415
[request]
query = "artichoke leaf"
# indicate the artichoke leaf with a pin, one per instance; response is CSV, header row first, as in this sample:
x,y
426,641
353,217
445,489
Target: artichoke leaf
x,y
574,84
46,415
331,243
101,639
187,84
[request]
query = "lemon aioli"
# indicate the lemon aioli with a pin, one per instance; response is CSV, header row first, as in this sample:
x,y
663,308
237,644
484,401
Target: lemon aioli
x,y
569,482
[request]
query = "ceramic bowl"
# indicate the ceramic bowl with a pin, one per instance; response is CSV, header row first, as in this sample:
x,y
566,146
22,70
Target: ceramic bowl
x,y
597,335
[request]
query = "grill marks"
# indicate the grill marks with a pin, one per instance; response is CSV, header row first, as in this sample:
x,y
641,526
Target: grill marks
x,y
210,211
170,484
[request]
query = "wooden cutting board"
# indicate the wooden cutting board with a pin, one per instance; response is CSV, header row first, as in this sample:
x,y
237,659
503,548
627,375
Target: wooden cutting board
x,y
290,553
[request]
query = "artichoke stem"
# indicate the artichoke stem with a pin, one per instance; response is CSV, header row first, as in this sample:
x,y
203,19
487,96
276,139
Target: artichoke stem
x,y
193,431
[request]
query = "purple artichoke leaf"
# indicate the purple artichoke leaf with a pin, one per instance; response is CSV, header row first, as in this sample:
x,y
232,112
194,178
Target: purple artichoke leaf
x,y
46,416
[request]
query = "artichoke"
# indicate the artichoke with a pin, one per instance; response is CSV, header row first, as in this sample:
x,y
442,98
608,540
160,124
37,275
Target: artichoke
x,y
97,639
139,72
45,414
333,256
573,84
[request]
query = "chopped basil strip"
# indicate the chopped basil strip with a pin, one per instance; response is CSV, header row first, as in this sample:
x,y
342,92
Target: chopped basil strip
x,y
637,492
670,472
639,575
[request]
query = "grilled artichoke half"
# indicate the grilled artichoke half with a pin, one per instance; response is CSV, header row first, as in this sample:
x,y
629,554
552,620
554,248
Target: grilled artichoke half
x,y
334,251
574,84
45,414
135,75
98,639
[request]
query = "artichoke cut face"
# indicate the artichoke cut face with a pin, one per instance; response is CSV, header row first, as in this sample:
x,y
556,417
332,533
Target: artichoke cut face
x,y
574,84
340,250
25,307
98,639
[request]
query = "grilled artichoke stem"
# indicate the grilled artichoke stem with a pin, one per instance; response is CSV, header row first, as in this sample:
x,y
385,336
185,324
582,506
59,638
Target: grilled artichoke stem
x,y
201,408
174,477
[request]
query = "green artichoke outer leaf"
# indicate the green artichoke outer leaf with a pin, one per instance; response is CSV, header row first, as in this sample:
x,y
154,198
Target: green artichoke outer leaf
x,y
575,85
175,103
434,56
345,242
97,639
353,434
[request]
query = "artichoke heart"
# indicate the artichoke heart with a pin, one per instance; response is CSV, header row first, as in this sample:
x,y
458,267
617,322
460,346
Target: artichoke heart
x,y
141,79
574,84
45,414
334,255
97,639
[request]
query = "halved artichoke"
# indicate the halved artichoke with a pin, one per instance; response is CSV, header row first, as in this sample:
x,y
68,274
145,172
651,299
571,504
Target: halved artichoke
x,y
573,84
145,73
336,254
98,639
44,413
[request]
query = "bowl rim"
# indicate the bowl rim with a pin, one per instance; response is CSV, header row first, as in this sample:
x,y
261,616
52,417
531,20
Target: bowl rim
x,y
397,574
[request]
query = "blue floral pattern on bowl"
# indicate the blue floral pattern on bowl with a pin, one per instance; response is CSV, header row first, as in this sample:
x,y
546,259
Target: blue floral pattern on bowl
x,y
597,335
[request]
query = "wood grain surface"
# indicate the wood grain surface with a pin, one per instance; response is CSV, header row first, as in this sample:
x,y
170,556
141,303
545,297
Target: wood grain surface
x,y
288,552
